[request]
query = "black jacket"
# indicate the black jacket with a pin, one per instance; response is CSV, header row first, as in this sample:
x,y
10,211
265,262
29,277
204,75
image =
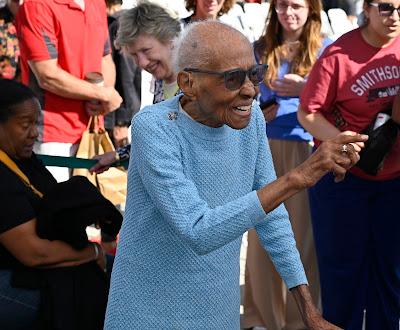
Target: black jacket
x,y
72,298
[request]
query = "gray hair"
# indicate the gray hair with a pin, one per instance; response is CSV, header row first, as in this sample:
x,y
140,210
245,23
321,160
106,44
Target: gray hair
x,y
146,19
196,48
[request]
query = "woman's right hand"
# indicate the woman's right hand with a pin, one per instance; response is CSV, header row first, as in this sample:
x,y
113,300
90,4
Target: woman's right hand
x,y
336,155
270,112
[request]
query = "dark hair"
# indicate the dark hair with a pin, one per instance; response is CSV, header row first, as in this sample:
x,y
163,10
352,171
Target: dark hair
x,y
227,6
12,94
110,3
6,14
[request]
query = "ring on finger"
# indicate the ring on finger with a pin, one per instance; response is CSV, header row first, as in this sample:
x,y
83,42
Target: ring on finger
x,y
344,149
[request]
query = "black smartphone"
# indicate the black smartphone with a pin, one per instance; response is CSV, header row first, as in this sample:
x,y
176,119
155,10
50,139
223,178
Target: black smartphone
x,y
267,103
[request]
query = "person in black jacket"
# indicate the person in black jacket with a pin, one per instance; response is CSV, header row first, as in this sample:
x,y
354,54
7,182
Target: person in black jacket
x,y
24,184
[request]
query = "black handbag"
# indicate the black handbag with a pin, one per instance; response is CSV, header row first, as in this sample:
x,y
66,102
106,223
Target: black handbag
x,y
380,142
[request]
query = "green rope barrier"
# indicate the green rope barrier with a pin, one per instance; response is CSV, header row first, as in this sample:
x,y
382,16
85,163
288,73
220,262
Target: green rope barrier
x,y
74,162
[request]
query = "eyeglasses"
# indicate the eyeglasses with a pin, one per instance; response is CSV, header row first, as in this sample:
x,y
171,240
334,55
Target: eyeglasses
x,y
282,8
385,9
234,79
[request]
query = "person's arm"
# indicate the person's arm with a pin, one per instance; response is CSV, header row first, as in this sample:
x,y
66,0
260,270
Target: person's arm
x,y
329,157
32,251
58,81
176,197
108,70
317,125
290,85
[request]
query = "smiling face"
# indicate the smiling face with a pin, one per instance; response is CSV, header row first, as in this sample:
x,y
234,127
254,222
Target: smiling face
x,y
19,132
292,15
153,56
382,30
208,9
214,105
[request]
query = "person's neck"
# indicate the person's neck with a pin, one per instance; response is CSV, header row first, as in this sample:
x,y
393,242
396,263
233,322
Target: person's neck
x,y
202,17
171,79
374,39
292,36
191,108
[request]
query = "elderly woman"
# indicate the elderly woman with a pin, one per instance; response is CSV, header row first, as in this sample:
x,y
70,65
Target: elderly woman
x,y
146,32
356,223
24,179
200,176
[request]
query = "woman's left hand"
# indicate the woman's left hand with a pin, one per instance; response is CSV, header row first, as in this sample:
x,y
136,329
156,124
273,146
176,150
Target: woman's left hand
x,y
317,322
310,314
290,85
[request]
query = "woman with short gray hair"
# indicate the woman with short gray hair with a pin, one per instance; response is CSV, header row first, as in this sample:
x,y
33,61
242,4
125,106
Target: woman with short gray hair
x,y
146,32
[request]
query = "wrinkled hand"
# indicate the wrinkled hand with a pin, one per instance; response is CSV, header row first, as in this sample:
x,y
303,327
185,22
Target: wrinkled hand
x,y
104,163
290,85
317,322
329,157
309,313
396,109
270,112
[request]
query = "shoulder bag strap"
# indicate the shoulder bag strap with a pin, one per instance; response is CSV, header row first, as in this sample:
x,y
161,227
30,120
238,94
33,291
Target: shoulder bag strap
x,y
13,167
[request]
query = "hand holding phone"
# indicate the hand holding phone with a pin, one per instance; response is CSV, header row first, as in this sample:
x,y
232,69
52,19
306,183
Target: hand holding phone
x,y
269,109
267,103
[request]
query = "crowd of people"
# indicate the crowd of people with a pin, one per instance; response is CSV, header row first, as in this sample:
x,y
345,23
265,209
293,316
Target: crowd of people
x,y
293,138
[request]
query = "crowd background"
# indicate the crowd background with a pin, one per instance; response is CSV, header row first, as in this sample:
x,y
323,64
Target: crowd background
x,y
139,86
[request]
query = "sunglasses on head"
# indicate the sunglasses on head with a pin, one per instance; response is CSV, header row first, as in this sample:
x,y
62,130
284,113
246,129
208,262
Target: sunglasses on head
x,y
234,79
385,9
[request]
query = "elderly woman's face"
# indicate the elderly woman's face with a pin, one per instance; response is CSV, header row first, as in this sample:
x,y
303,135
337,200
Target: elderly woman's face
x,y
208,8
19,132
215,104
153,56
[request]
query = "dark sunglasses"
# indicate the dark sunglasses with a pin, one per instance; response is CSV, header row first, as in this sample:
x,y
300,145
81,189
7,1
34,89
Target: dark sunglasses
x,y
234,79
385,9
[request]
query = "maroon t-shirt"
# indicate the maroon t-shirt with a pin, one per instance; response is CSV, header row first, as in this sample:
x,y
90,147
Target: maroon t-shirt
x,y
350,84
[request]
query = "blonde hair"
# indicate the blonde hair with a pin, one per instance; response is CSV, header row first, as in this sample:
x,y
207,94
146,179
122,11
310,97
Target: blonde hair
x,y
269,47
